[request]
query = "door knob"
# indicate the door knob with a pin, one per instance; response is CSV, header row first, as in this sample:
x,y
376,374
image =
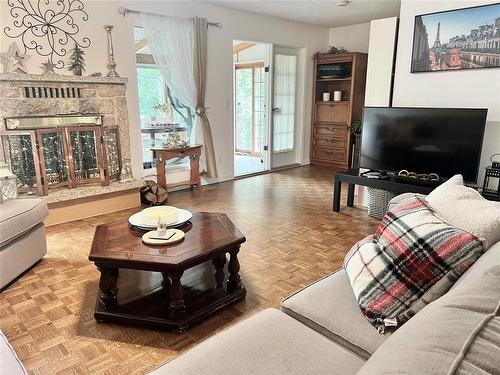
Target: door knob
x,y
275,109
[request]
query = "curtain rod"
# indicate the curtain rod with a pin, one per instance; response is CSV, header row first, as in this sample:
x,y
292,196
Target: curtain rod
x,y
123,11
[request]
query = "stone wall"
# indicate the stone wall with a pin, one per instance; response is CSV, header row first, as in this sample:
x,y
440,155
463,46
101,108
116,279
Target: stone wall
x,y
98,95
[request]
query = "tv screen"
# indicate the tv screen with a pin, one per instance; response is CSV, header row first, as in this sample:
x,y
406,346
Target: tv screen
x,y
446,141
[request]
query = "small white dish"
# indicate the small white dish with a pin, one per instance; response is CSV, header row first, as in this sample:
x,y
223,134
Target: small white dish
x,y
171,236
183,216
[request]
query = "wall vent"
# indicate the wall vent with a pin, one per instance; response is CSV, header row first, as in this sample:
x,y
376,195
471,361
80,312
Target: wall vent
x,y
52,92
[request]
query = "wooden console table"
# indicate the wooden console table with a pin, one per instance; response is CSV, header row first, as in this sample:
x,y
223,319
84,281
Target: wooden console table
x,y
161,155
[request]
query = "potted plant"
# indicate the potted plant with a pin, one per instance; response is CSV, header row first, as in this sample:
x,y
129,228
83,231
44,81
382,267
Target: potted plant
x,y
356,127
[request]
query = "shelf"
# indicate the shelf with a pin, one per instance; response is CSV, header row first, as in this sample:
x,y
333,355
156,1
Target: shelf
x,y
332,79
330,123
333,102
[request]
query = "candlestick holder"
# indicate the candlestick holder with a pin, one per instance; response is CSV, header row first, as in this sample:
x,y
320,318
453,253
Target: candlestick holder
x,y
111,56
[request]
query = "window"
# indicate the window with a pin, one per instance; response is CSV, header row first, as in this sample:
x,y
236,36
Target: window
x,y
160,112
285,67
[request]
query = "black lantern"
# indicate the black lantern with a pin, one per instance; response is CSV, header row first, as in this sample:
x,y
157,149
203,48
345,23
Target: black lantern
x,y
491,185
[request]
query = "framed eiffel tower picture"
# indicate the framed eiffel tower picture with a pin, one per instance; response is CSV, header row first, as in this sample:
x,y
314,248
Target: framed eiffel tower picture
x,y
467,38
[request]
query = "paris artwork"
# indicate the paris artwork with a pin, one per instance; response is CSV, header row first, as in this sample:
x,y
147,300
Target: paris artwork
x,y
458,39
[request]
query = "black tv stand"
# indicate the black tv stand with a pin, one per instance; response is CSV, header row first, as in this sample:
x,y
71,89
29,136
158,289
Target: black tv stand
x,y
387,182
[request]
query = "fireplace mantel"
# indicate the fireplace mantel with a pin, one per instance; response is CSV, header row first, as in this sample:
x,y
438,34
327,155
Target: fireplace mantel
x,y
48,95
16,77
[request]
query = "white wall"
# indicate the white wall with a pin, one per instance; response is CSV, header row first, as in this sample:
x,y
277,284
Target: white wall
x,y
383,35
354,38
236,25
464,88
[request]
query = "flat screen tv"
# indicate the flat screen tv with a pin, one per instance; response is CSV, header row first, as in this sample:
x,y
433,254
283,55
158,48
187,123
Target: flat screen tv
x,y
446,141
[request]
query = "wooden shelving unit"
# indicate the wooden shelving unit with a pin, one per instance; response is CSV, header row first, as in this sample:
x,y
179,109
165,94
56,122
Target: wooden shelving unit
x,y
331,141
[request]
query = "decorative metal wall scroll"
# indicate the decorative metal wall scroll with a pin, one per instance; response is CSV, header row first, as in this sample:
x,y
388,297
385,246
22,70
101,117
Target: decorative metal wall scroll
x,y
48,27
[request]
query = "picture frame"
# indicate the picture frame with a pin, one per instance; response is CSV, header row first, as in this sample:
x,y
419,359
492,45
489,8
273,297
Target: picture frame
x,y
458,39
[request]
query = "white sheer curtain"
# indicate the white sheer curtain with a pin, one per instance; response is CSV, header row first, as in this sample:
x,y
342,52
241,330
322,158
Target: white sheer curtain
x,y
171,43
285,68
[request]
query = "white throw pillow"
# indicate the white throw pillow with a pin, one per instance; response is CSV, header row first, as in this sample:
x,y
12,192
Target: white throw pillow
x,y
465,208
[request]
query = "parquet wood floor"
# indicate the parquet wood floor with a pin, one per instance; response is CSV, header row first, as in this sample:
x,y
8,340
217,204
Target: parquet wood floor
x,y
293,238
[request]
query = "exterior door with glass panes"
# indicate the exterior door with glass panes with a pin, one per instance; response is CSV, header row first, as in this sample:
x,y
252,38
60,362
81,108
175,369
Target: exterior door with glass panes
x,y
284,104
250,118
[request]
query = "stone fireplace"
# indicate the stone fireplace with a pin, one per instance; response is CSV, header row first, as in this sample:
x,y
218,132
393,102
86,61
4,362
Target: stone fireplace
x,y
64,131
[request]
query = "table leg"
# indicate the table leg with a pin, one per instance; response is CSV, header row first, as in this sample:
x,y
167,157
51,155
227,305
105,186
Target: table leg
x,y
194,176
166,280
336,194
219,263
350,195
107,286
160,172
233,281
177,306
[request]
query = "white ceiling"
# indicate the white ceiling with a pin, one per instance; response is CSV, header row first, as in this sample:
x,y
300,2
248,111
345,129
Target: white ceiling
x,y
317,12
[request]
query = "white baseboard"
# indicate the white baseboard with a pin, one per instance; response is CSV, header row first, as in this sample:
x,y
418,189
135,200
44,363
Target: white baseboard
x,y
209,181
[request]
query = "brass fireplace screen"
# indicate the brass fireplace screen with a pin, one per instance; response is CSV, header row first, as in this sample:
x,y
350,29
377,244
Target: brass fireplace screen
x,y
53,152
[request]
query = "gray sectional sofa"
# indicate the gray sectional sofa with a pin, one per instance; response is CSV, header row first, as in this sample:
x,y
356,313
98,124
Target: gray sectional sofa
x,y
22,244
22,237
320,330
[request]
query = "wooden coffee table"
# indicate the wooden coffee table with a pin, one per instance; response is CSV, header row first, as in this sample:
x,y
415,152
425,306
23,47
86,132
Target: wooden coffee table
x,y
141,284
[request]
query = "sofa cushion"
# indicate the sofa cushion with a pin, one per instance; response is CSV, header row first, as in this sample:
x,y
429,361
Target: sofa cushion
x,y
452,199
488,260
329,307
413,258
9,362
269,342
457,334
18,216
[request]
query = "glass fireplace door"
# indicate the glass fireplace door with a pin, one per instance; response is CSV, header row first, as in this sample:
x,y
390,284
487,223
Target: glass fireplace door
x,y
60,156
18,150
53,158
87,155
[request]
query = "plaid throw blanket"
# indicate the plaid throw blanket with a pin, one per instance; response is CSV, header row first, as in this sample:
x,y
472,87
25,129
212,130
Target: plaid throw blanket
x,y
413,258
